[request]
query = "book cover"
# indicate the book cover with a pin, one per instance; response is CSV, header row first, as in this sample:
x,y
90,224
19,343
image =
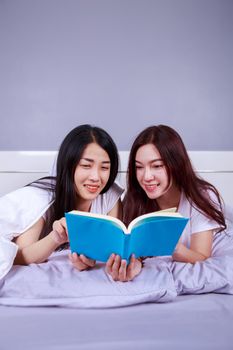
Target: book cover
x,y
98,236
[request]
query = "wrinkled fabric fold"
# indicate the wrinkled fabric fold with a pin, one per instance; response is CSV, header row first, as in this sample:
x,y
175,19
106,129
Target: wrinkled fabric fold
x,y
58,283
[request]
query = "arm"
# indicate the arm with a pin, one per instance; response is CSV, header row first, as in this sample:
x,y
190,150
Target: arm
x,y
33,250
200,248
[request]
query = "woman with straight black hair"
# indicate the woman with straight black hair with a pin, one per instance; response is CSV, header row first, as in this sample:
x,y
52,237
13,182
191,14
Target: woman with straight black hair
x,y
87,165
161,176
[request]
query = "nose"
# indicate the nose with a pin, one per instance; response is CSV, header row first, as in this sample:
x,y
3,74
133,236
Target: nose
x,y
148,175
94,175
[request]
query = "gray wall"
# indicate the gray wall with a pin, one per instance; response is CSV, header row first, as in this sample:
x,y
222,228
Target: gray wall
x,y
122,65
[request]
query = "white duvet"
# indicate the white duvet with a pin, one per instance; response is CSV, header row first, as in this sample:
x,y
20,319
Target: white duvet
x,y
19,210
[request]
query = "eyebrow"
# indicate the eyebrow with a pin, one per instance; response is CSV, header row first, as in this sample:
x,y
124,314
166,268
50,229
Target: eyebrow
x,y
152,161
92,160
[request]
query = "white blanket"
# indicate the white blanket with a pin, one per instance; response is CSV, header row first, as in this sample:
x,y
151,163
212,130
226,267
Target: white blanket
x,y
19,210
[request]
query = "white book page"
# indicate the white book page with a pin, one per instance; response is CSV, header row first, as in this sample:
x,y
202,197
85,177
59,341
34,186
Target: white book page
x,y
167,212
118,222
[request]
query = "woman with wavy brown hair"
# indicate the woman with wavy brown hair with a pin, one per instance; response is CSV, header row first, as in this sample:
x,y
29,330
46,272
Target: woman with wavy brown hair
x,y
161,176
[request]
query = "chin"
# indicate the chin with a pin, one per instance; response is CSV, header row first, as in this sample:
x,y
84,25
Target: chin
x,y
91,196
152,195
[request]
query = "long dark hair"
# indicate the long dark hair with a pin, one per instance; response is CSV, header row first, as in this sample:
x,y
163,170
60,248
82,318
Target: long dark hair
x,y
179,169
69,155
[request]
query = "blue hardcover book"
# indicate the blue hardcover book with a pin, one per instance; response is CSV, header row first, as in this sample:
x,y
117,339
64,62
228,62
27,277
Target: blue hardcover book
x,y
98,236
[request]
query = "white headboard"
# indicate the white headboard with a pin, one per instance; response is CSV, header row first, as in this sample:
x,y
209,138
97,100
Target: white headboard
x,y
17,168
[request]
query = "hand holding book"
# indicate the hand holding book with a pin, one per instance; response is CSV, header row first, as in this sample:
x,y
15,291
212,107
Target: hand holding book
x,y
81,262
120,271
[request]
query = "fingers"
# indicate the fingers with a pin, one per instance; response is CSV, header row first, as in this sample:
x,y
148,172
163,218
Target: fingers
x,y
112,266
77,262
134,268
59,237
60,225
87,261
119,271
116,268
131,268
81,262
59,232
109,263
63,221
123,271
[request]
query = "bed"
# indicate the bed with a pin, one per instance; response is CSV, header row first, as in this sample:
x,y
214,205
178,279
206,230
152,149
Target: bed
x,y
195,318
190,322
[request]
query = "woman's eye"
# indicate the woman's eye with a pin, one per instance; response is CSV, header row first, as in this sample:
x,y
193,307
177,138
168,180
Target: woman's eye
x,y
158,166
105,168
85,166
138,167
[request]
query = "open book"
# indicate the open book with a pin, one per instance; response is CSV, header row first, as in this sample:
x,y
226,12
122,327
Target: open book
x,y
98,236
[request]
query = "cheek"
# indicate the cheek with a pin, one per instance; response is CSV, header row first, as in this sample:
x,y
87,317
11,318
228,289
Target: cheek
x,y
166,177
139,175
76,183
79,176
105,176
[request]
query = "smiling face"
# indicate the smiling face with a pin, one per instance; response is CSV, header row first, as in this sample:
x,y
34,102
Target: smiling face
x,y
91,175
151,172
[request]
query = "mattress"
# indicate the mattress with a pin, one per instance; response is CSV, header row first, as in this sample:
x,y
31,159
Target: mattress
x,y
189,322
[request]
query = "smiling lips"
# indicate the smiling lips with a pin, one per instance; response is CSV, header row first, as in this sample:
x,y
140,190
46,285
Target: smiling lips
x,y
92,188
151,188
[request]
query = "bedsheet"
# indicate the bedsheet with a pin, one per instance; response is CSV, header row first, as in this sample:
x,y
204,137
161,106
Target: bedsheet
x,y
194,322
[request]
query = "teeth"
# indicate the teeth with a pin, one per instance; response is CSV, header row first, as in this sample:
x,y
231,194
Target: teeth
x,y
151,187
92,188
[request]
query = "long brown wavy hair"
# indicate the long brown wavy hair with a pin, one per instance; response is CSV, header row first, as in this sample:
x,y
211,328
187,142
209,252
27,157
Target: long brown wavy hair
x,y
179,169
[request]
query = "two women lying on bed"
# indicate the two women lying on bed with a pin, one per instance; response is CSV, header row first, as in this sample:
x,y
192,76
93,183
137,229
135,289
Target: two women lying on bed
x,y
160,176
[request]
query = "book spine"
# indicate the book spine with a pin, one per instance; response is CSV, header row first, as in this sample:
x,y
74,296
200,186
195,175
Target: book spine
x,y
126,255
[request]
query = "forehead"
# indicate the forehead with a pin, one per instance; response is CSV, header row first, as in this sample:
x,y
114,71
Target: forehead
x,y
147,153
95,152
